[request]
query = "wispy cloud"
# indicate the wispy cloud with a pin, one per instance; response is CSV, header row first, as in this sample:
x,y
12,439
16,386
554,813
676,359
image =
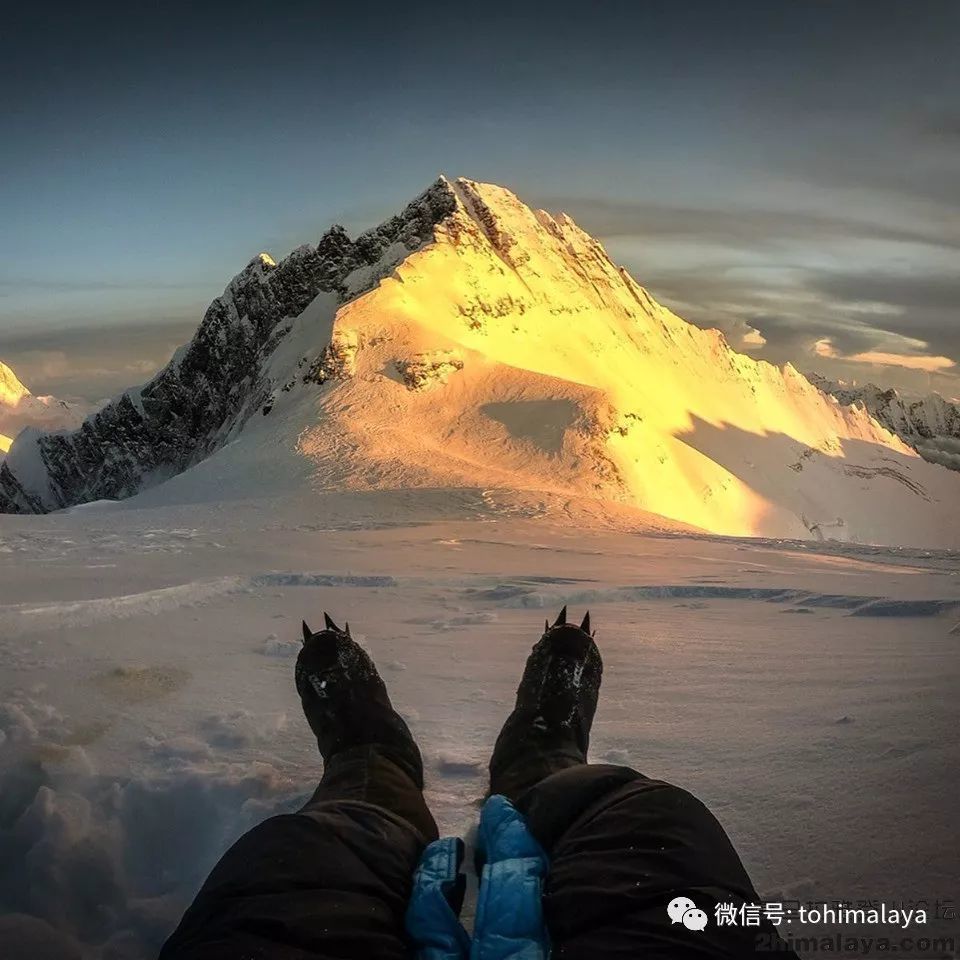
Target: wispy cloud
x,y
751,228
825,349
878,283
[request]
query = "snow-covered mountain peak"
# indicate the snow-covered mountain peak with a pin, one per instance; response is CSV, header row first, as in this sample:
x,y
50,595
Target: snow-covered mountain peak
x,y
19,409
471,341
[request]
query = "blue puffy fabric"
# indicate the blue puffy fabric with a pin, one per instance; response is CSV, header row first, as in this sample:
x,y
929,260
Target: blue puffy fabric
x,y
434,905
509,921
509,924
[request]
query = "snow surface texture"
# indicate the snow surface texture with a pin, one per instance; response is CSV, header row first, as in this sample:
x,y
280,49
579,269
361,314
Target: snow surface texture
x,y
19,408
930,424
471,341
806,691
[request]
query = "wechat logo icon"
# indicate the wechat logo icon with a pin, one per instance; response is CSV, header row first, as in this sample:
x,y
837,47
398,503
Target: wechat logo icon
x,y
684,910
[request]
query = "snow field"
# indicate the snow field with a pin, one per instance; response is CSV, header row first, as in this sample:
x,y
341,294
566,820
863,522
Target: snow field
x,y
139,738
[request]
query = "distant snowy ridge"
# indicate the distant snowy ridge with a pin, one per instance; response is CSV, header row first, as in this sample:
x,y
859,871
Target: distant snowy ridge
x,y
930,424
472,342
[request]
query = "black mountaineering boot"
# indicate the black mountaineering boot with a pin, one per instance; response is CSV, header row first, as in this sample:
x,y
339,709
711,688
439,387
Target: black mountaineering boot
x,y
345,700
549,728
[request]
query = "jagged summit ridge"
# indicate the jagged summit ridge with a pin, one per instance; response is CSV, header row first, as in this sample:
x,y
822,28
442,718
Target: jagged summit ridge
x,y
213,385
471,341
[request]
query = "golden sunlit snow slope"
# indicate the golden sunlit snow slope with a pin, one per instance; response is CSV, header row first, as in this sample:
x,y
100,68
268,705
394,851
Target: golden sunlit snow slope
x,y
512,352
19,408
11,389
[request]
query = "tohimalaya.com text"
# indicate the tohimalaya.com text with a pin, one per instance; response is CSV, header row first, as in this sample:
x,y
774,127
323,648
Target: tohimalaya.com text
x,y
841,944
850,944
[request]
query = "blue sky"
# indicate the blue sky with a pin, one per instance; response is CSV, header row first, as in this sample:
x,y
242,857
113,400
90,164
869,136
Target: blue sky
x,y
787,168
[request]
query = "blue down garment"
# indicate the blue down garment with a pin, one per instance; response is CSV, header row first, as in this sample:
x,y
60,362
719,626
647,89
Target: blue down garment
x,y
509,922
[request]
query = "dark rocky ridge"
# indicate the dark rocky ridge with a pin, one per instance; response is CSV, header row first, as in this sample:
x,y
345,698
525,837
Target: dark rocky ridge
x,y
215,383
